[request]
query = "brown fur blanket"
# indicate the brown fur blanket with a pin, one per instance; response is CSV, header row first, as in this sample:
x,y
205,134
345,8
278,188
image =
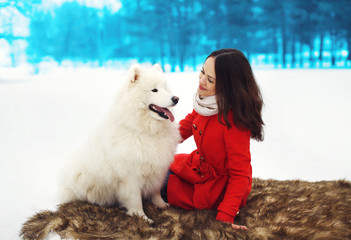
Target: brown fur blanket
x,y
274,210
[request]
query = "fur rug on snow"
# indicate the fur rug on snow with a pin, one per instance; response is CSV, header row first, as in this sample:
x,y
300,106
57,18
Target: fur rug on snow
x,y
274,210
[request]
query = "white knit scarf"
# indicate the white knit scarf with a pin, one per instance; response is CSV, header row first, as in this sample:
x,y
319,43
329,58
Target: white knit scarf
x,y
205,106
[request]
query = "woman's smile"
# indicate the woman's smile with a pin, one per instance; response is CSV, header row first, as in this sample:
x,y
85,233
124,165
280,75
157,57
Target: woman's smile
x,y
201,88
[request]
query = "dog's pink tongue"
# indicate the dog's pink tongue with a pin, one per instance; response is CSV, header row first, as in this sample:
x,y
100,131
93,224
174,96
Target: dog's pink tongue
x,y
169,114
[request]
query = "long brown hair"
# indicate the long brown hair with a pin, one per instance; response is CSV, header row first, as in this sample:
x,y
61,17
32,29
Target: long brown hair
x,y
237,91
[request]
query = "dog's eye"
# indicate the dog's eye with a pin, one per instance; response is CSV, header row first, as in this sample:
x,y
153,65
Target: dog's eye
x,y
154,90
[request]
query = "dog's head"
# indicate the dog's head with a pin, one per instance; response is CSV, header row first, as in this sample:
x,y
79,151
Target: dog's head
x,y
150,88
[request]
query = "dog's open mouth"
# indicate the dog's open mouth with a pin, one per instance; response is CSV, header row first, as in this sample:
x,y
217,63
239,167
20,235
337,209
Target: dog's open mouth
x,y
162,112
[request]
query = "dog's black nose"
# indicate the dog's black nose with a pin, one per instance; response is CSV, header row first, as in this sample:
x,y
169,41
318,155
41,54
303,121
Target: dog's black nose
x,y
175,100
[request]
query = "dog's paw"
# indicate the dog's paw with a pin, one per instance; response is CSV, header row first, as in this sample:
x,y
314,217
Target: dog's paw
x,y
140,214
148,220
163,205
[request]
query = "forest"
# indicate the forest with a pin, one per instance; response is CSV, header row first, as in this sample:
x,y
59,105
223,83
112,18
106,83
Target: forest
x,y
180,33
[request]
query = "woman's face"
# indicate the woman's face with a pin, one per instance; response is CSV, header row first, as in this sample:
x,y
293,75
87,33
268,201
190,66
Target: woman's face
x,y
207,78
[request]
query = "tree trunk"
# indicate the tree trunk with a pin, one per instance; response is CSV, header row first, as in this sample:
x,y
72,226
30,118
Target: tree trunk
x,y
321,45
348,46
293,51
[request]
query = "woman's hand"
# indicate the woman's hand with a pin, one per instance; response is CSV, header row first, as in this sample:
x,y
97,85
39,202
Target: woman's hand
x,y
238,227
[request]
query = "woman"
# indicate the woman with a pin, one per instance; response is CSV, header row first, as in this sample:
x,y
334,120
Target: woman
x,y
227,113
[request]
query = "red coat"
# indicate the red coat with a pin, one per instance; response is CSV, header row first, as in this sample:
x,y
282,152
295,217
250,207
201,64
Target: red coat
x,y
217,175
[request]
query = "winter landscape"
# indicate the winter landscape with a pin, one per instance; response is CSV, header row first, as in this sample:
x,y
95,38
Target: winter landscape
x,y
62,62
45,117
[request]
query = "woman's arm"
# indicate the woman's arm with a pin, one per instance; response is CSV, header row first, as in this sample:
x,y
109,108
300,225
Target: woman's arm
x,y
237,144
186,125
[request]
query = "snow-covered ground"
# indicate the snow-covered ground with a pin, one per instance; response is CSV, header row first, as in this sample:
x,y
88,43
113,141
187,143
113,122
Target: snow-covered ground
x,y
44,117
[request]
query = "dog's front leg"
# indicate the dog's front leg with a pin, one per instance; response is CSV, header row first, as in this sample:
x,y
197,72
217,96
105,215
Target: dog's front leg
x,y
157,200
134,204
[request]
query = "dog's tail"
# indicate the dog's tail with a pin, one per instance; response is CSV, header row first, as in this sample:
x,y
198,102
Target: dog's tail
x,y
41,225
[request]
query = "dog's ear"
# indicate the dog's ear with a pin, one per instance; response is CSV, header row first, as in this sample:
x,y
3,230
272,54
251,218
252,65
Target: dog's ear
x,y
134,73
157,67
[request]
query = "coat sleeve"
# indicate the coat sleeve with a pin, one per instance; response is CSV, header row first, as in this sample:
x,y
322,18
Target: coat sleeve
x,y
237,144
186,125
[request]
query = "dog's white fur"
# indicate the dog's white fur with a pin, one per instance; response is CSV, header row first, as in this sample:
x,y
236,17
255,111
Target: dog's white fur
x,y
127,157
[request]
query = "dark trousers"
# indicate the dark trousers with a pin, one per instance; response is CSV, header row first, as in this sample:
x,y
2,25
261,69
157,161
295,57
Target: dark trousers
x,y
164,187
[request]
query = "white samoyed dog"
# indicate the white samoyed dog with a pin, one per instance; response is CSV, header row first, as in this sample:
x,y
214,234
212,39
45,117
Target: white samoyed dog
x,y
127,157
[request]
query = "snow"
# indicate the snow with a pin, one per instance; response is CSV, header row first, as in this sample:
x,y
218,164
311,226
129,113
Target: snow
x,y
44,117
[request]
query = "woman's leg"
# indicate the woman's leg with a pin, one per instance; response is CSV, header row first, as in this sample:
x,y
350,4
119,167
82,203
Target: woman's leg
x,y
164,187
